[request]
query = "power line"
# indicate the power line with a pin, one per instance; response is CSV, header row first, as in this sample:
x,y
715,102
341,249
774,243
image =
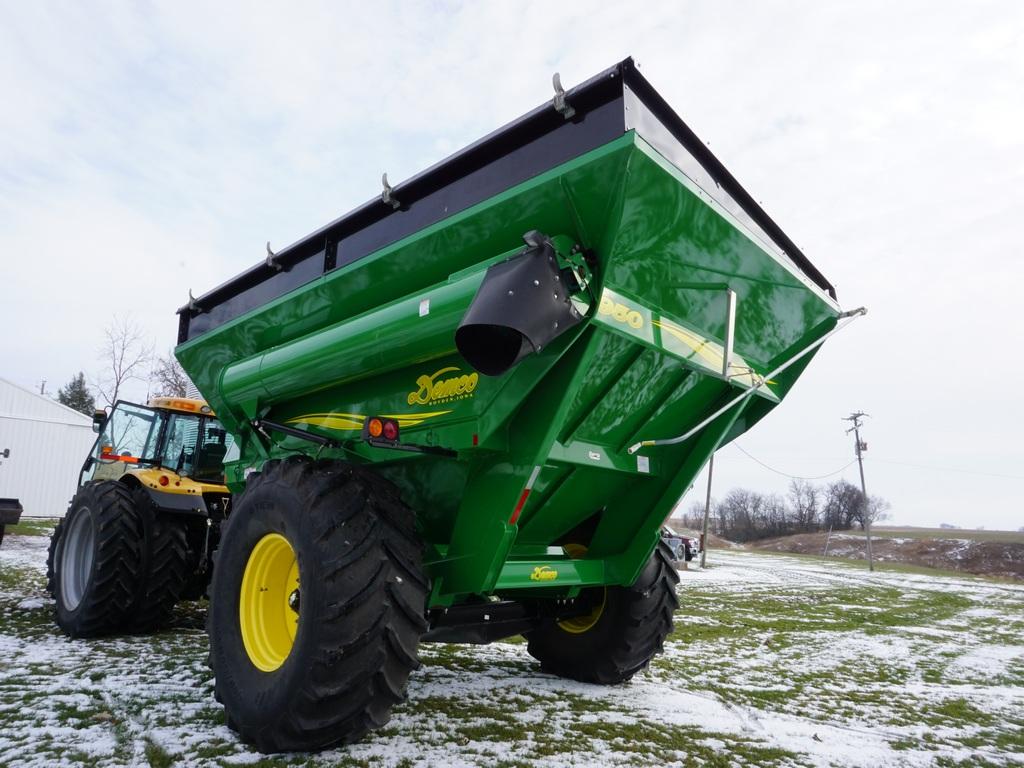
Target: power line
x,y
945,469
786,474
879,461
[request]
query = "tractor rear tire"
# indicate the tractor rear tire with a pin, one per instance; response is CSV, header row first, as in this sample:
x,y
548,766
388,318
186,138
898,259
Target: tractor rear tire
x,y
96,560
163,571
51,557
626,629
317,605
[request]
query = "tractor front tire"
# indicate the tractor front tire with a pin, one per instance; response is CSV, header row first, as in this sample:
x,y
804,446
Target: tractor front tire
x,y
620,635
317,605
95,559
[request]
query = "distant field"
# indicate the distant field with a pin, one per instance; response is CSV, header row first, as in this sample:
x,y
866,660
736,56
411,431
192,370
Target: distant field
x,y
911,532
913,547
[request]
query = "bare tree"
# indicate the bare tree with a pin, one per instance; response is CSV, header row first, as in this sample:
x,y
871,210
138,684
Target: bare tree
x,y
125,354
169,377
842,505
877,509
805,499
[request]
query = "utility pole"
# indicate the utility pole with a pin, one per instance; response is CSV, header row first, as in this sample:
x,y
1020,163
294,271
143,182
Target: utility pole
x,y
42,388
707,512
859,448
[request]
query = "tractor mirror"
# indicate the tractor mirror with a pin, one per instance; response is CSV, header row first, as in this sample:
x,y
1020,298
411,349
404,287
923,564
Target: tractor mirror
x,y
99,418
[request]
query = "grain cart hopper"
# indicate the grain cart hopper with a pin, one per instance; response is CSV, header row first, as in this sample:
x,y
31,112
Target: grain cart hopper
x,y
463,410
139,533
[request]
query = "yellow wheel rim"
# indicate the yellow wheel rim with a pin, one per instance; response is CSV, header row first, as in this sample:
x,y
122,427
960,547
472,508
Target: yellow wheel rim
x,y
268,606
580,624
577,625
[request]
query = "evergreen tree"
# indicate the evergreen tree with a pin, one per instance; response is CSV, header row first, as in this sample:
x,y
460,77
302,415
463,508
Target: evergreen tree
x,y
75,394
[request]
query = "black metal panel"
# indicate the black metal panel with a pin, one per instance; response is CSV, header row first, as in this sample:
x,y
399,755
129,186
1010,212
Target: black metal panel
x,y
519,151
515,164
515,153
251,289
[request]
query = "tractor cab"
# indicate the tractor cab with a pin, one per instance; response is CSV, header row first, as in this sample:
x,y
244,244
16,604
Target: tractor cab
x,y
172,445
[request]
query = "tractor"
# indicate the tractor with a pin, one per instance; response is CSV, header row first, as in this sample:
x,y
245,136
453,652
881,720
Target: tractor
x,y
140,531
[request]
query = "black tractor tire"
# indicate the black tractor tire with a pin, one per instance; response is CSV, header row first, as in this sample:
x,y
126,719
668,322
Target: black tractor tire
x,y
360,605
96,560
628,632
163,571
51,557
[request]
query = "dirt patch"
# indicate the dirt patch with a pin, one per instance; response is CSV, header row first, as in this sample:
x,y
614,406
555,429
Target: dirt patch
x,y
987,558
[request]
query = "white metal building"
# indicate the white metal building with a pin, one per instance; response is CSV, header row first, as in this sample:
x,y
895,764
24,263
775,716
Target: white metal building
x,y
48,443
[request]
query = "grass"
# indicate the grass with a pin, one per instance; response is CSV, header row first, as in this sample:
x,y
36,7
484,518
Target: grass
x,y
914,668
32,526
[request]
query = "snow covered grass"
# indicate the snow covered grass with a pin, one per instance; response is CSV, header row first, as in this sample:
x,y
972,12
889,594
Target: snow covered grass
x,y
776,661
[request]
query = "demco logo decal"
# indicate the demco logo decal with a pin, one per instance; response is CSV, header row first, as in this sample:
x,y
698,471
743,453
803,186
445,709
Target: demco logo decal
x,y
435,389
543,573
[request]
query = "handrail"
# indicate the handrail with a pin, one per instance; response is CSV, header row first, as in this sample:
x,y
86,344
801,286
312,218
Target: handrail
x,y
849,316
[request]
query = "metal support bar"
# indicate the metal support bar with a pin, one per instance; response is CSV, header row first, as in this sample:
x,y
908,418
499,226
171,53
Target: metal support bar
x,y
411,447
848,316
730,318
263,424
730,330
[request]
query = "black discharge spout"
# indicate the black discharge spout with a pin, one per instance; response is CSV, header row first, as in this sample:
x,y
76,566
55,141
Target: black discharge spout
x,y
521,306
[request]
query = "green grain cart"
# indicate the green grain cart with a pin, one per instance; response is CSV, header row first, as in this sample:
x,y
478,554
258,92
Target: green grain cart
x,y
462,411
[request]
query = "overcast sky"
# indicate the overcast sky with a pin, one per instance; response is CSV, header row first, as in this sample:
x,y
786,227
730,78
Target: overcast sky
x,y
146,150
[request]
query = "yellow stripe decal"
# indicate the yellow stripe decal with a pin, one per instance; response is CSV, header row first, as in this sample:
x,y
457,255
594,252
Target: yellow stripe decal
x,y
354,421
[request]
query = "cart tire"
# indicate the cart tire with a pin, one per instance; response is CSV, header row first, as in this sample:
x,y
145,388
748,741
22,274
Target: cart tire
x,y
620,636
163,572
317,605
97,560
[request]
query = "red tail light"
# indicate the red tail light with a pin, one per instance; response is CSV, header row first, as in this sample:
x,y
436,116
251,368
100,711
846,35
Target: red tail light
x,y
380,429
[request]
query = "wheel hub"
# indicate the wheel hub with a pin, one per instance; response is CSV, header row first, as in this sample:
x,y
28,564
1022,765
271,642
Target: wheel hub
x,y
268,606
76,558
